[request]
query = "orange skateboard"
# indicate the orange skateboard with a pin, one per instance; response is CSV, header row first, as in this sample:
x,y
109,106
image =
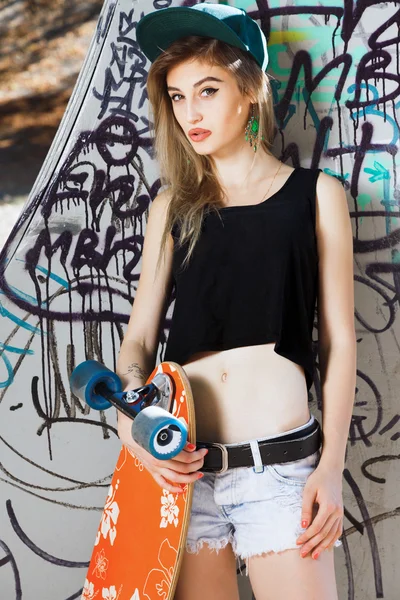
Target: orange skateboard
x,y
141,538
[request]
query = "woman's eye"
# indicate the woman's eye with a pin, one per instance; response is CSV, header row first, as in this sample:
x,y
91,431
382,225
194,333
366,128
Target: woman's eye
x,y
212,90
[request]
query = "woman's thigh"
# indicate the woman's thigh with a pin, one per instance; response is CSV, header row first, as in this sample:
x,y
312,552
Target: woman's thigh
x,y
208,575
287,576
265,510
209,564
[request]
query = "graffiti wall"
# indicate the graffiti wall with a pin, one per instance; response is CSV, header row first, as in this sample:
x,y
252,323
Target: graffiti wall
x,y
70,269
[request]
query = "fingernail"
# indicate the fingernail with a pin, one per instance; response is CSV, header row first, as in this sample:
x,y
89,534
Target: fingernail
x,y
200,475
191,446
315,556
304,524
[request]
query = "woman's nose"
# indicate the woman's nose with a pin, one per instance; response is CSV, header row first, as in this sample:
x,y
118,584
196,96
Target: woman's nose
x,y
192,113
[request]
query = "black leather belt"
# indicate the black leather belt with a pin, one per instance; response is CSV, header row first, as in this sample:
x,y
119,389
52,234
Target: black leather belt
x,y
285,448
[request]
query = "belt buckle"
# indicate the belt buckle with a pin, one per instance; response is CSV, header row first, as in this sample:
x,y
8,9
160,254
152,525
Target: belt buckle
x,y
224,455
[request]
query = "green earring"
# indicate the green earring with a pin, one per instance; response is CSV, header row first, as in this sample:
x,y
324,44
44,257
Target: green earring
x,y
251,130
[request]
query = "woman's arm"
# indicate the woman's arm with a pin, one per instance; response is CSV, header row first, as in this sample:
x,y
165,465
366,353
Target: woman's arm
x,y
134,365
336,332
337,359
138,352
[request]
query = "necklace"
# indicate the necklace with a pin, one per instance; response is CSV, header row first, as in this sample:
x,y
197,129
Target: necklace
x,y
276,173
279,168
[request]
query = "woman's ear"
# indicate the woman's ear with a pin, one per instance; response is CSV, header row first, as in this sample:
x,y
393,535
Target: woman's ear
x,y
249,96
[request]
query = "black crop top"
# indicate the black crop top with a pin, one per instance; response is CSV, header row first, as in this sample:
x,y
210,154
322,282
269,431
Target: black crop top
x,y
252,279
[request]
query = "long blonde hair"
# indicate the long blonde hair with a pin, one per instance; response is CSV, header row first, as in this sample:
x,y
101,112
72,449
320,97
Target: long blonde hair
x,y
191,178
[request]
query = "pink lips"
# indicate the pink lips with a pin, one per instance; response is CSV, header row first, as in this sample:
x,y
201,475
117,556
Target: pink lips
x,y
199,134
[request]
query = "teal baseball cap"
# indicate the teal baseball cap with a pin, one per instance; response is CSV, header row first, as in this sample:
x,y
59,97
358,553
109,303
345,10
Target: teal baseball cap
x,y
158,29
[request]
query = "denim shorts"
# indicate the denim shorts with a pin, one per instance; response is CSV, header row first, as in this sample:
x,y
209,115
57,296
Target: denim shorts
x,y
256,509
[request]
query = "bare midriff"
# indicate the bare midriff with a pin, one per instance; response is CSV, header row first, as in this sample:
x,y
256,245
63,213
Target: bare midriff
x,y
246,393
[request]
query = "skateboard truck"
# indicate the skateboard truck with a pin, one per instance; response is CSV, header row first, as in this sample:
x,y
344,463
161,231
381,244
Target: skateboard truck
x,y
154,427
159,392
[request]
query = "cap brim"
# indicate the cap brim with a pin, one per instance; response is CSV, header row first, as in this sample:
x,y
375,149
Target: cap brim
x,y
158,29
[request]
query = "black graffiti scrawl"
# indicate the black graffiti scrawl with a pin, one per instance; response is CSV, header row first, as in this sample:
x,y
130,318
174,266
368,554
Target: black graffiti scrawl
x,y
69,272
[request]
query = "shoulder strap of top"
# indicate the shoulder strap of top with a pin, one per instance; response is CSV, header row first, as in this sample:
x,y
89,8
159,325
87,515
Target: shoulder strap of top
x,y
175,231
311,178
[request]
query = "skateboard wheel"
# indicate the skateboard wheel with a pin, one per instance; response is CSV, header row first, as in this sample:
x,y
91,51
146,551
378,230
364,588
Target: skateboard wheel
x,y
158,432
86,376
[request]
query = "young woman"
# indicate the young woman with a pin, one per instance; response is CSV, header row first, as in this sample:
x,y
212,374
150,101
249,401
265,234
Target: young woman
x,y
249,243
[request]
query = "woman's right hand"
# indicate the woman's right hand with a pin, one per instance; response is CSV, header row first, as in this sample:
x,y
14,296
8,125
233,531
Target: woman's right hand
x,y
181,469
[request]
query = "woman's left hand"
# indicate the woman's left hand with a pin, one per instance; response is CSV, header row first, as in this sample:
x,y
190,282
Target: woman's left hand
x,y
323,487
